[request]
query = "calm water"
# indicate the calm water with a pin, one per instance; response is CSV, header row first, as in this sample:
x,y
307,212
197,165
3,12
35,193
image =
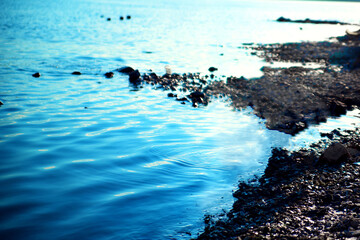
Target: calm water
x,y
84,157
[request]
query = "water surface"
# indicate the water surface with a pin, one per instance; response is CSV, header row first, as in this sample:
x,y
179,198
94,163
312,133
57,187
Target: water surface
x,y
85,157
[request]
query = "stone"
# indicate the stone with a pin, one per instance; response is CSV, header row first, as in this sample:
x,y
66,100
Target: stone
x,y
1,103
128,17
109,74
121,18
337,108
36,75
336,153
134,76
125,70
109,19
76,73
212,69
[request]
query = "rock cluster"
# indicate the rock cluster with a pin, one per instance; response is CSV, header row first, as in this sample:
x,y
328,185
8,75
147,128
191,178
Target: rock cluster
x,y
299,196
307,20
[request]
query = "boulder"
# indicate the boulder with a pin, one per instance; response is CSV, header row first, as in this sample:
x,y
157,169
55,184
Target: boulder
x,y
134,76
76,73
336,153
125,70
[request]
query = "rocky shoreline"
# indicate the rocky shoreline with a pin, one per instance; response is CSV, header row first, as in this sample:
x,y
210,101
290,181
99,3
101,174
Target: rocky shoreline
x,y
307,194
312,193
290,99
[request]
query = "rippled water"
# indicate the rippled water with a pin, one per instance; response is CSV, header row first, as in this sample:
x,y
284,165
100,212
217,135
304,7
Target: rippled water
x,y
85,157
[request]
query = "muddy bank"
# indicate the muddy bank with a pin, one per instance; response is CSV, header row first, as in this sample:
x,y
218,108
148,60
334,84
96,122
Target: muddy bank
x,y
310,193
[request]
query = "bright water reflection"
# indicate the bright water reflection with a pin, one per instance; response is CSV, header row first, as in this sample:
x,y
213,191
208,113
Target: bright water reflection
x,y
84,157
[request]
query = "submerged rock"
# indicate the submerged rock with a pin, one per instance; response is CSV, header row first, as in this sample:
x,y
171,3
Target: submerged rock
x,y
76,73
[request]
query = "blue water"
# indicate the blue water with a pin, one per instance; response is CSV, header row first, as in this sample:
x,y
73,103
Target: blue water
x,y
85,157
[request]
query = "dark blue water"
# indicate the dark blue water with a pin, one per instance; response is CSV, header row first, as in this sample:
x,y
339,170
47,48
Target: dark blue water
x,y
85,157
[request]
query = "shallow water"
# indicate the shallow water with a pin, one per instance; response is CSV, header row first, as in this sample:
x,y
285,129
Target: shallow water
x,y
85,157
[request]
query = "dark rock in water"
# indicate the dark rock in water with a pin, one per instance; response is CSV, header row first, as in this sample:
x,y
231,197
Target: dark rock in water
x,y
109,74
109,19
125,70
134,76
121,18
336,153
36,75
212,69
171,95
128,17
198,97
337,108
76,73
154,76
1,103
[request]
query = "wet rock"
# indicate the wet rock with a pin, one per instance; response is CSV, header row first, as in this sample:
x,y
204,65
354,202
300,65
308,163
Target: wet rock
x,y
334,154
109,74
172,95
198,97
121,18
76,73
108,19
125,70
1,103
128,17
154,76
36,75
134,76
337,108
183,99
212,69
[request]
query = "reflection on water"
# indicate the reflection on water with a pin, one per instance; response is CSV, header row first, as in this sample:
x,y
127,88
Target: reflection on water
x,y
85,157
